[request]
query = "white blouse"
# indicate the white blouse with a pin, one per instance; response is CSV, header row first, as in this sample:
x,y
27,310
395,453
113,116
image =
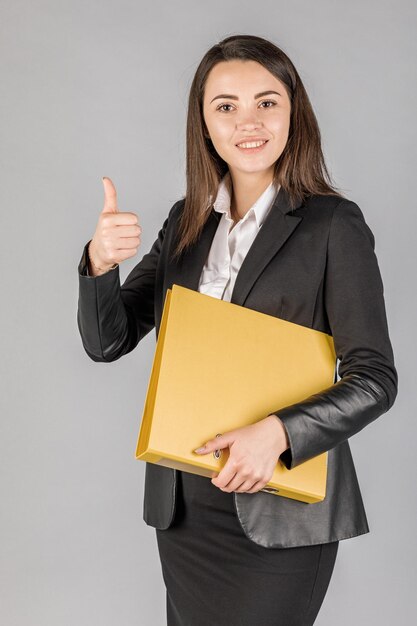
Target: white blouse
x,y
231,244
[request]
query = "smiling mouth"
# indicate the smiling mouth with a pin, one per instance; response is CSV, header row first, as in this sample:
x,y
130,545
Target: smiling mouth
x,y
252,146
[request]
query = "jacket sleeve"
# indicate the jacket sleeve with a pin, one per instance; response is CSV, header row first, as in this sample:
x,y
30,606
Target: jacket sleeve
x,y
111,318
355,307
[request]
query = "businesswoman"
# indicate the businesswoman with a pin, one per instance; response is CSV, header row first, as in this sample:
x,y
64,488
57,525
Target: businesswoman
x,y
261,226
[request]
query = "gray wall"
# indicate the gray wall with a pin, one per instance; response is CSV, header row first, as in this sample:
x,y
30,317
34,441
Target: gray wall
x,y
100,88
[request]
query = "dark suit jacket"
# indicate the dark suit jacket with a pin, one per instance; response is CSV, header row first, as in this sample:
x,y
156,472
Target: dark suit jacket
x,y
314,266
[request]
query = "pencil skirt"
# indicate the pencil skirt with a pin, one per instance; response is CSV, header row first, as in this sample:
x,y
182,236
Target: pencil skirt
x,y
214,574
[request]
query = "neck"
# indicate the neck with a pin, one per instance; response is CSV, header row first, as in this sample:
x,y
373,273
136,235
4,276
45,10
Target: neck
x,y
246,189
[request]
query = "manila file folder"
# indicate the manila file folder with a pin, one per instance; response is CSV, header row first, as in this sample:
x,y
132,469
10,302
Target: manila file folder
x,y
218,366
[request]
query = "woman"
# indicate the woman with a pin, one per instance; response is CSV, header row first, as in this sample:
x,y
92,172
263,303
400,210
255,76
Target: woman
x,y
260,226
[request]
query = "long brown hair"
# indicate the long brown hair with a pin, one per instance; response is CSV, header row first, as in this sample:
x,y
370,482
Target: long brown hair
x,y
301,168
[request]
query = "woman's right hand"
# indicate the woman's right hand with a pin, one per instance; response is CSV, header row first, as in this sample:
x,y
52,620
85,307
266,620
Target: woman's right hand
x,y
117,235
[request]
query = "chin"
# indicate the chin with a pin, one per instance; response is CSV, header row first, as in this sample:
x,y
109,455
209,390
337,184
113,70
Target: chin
x,y
251,168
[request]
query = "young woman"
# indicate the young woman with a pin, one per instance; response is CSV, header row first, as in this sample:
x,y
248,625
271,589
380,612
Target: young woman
x,y
261,226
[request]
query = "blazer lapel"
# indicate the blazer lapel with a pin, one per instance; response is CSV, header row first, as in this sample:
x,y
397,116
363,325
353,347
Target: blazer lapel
x,y
277,227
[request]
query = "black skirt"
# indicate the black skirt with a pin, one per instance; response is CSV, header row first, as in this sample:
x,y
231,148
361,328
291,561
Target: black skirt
x,y
214,574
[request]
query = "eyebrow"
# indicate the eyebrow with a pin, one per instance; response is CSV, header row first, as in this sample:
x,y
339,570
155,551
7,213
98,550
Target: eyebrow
x,y
257,95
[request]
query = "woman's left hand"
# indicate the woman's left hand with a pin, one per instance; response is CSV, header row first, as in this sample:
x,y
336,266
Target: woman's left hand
x,y
254,452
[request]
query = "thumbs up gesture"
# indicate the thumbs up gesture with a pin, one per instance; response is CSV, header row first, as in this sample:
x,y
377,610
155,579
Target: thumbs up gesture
x,y
117,235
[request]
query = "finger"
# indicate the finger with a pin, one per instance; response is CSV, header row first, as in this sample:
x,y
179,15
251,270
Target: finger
x,y
217,443
227,474
236,484
256,487
128,230
123,218
127,243
125,253
110,196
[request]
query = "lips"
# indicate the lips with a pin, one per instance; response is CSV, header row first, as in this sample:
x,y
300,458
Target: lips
x,y
254,150
251,139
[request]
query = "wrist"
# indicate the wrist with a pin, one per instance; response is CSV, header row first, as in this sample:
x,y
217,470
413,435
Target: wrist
x,y
283,430
96,268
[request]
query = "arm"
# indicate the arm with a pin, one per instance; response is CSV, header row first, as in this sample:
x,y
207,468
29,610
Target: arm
x,y
112,319
354,301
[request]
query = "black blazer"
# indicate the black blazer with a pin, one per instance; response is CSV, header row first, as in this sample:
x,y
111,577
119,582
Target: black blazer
x,y
315,266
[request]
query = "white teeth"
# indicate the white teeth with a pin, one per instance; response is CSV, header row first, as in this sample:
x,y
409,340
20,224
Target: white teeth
x,y
253,144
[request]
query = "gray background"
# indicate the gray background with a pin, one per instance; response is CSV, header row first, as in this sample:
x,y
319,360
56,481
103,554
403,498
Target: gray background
x,y
100,88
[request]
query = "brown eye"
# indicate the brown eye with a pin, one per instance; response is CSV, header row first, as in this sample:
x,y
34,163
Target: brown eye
x,y
223,105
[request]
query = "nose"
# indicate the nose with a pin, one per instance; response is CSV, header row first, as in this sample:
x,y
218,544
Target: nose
x,y
248,117
248,121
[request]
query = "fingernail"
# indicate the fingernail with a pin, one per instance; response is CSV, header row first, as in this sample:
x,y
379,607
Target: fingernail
x,y
198,450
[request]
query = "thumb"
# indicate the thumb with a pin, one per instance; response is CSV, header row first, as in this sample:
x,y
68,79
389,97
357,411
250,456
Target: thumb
x,y
110,196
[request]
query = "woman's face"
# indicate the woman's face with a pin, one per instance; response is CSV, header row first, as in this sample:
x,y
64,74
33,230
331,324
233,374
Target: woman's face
x,y
243,100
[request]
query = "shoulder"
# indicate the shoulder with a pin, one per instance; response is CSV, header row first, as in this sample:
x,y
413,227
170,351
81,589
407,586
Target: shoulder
x,y
173,214
339,212
348,227
176,208
348,221
331,205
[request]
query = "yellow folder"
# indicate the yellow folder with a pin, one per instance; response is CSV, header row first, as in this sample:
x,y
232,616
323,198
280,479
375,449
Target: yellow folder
x,y
219,366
